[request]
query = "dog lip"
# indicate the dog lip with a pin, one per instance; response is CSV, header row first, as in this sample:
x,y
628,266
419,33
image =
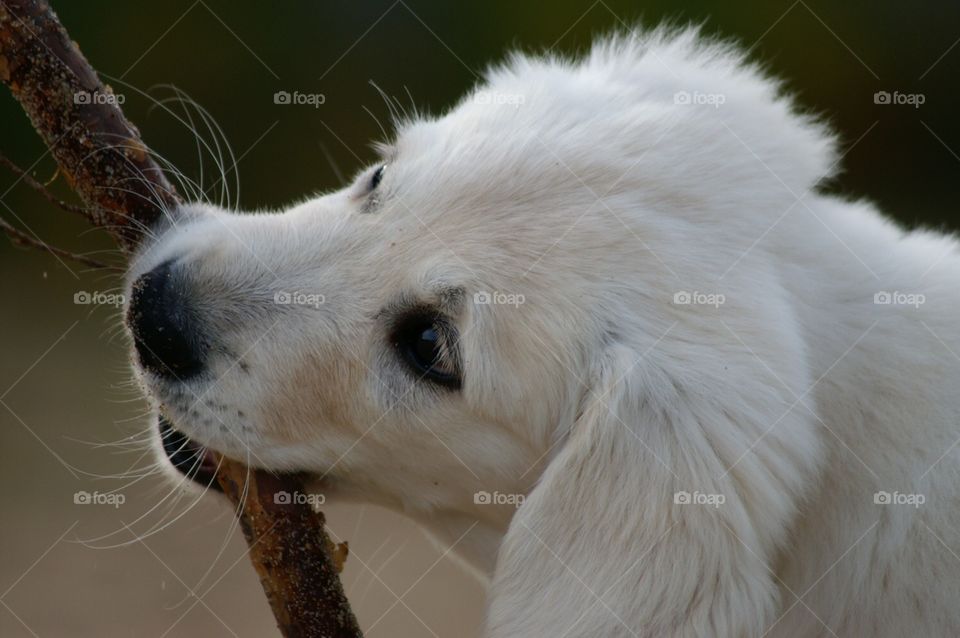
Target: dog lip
x,y
188,457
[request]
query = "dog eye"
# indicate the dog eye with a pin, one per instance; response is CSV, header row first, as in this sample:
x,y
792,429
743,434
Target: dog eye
x,y
377,177
422,346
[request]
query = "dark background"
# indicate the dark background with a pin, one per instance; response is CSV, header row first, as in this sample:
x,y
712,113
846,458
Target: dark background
x,y
63,376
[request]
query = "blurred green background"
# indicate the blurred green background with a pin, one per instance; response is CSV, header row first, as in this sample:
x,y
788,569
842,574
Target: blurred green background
x,y
64,385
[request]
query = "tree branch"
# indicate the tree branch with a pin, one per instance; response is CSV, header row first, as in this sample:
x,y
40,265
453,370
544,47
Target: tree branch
x,y
104,160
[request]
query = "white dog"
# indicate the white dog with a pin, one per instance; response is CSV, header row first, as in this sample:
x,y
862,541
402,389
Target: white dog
x,y
607,291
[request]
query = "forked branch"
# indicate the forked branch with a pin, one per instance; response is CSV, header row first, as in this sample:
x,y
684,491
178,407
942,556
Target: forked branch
x,y
102,157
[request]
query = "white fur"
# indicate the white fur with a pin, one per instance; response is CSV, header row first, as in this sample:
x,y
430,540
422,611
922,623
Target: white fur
x,y
591,189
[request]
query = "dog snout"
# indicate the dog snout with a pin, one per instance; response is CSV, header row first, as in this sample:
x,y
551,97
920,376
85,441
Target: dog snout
x,y
166,329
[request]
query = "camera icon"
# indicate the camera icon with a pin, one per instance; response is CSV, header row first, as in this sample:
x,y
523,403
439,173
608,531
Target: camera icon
x,y
82,498
282,498
883,298
682,97
82,298
482,498
882,97
82,97
282,97
481,298
682,298
882,498
681,498
283,298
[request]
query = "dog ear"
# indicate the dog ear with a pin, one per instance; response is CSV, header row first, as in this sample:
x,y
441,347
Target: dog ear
x,y
640,527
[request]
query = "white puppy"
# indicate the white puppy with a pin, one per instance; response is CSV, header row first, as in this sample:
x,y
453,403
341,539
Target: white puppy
x,y
607,288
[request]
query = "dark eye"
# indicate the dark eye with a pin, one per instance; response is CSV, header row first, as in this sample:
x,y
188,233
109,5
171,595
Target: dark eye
x,y
377,177
423,344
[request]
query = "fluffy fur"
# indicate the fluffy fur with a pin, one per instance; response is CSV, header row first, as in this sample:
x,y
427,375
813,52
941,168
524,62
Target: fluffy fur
x,y
607,192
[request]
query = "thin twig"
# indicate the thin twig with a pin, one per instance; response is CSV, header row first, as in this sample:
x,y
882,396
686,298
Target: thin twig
x,y
40,188
24,239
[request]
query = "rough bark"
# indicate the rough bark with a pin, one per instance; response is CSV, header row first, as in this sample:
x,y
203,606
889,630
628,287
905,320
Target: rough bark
x,y
296,560
104,160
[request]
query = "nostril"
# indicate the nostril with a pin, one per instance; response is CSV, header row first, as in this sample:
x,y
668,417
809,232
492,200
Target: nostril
x,y
165,331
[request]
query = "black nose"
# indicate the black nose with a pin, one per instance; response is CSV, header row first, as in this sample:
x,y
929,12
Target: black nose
x,y
164,325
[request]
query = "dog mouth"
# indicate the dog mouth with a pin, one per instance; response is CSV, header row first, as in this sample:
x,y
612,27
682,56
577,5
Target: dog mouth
x,y
188,457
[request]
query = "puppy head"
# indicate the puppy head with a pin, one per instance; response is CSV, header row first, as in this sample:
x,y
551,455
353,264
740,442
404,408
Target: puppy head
x,y
461,316
386,336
